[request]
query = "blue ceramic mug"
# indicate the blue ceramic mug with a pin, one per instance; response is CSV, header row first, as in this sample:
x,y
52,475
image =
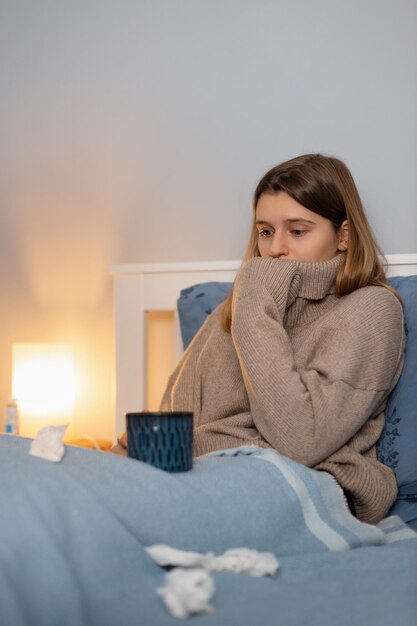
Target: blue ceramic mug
x,y
162,439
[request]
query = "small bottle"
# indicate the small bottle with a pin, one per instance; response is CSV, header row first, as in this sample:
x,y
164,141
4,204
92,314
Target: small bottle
x,y
12,417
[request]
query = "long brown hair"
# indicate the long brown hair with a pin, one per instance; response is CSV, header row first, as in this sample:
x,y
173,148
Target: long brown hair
x,y
325,186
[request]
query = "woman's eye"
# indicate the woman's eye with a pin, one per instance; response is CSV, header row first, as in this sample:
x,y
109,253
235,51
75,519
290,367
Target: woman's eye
x,y
297,232
265,233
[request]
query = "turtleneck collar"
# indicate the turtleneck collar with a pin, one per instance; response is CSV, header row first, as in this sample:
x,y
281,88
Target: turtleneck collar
x,y
318,282
318,279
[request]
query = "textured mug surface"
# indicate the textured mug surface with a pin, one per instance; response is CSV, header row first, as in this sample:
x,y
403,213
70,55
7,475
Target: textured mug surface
x,y
162,439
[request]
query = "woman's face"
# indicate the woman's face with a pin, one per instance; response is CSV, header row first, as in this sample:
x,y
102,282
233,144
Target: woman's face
x,y
287,230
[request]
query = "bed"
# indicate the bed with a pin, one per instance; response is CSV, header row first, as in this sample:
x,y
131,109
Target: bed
x,y
76,535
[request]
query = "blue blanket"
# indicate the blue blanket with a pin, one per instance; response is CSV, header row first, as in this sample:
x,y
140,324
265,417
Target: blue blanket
x,y
73,538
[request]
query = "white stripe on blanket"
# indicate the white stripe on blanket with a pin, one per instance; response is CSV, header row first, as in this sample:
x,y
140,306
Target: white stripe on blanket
x,y
395,529
331,496
317,526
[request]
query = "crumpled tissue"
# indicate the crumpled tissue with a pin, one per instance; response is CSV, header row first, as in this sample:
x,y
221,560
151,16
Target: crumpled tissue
x,y
245,561
187,591
48,443
236,560
184,594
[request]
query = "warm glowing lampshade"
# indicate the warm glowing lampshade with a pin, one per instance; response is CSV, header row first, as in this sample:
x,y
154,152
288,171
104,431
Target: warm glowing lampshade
x,y
43,384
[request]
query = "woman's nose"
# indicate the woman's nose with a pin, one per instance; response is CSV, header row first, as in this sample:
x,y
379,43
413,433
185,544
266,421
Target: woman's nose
x,y
278,246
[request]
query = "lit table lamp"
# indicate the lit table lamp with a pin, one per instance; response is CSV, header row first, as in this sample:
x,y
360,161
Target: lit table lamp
x,y
43,385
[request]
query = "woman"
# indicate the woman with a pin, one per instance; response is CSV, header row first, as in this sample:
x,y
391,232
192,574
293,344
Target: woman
x,y
304,352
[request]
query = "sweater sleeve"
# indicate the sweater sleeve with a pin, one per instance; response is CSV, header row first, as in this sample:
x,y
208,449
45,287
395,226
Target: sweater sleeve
x,y
308,413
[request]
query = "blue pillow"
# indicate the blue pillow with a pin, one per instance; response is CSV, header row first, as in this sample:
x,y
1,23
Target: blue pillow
x,y
196,303
397,446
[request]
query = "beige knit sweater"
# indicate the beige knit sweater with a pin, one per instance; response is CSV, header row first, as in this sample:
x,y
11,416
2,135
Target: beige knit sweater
x,y
302,371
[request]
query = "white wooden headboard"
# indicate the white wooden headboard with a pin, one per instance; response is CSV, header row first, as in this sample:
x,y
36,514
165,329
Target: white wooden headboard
x,y
142,288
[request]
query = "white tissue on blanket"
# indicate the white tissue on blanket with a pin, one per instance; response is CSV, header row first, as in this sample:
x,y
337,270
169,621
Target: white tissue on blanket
x,y
48,443
187,591
237,560
245,561
165,555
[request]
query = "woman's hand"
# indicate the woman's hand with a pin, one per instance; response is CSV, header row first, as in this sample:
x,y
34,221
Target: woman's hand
x,y
121,447
281,278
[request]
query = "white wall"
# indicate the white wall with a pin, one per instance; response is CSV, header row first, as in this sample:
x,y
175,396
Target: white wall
x,y
135,131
